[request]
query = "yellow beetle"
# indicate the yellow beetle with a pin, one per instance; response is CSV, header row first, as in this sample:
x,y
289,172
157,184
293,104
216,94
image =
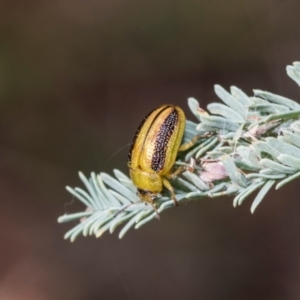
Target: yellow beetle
x,y
154,150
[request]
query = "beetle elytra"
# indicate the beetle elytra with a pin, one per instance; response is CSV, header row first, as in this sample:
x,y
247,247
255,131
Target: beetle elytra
x,y
154,150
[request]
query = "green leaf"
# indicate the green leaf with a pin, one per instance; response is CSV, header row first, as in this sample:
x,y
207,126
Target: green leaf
x,y
233,172
230,101
261,194
225,111
277,99
247,145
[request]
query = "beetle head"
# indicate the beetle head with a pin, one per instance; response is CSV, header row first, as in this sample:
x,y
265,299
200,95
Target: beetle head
x,y
147,196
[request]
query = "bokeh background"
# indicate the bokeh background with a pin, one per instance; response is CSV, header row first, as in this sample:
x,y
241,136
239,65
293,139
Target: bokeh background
x,y
76,78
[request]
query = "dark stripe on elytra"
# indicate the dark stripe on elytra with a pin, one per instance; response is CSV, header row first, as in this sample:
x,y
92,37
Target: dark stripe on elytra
x,y
165,132
138,132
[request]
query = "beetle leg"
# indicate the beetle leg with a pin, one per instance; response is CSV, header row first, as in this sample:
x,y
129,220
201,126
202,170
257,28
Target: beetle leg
x,y
193,141
182,169
155,208
179,170
168,185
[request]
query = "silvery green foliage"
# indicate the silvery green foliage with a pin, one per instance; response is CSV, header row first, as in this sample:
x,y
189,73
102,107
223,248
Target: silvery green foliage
x,y
254,144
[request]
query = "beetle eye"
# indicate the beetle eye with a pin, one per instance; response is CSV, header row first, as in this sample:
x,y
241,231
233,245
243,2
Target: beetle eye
x,y
153,197
141,192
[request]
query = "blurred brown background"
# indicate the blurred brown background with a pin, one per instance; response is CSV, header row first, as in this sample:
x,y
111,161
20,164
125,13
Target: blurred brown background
x,y
76,78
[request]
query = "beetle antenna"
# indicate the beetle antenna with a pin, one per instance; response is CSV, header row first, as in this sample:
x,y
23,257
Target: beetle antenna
x,y
116,152
122,209
125,207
